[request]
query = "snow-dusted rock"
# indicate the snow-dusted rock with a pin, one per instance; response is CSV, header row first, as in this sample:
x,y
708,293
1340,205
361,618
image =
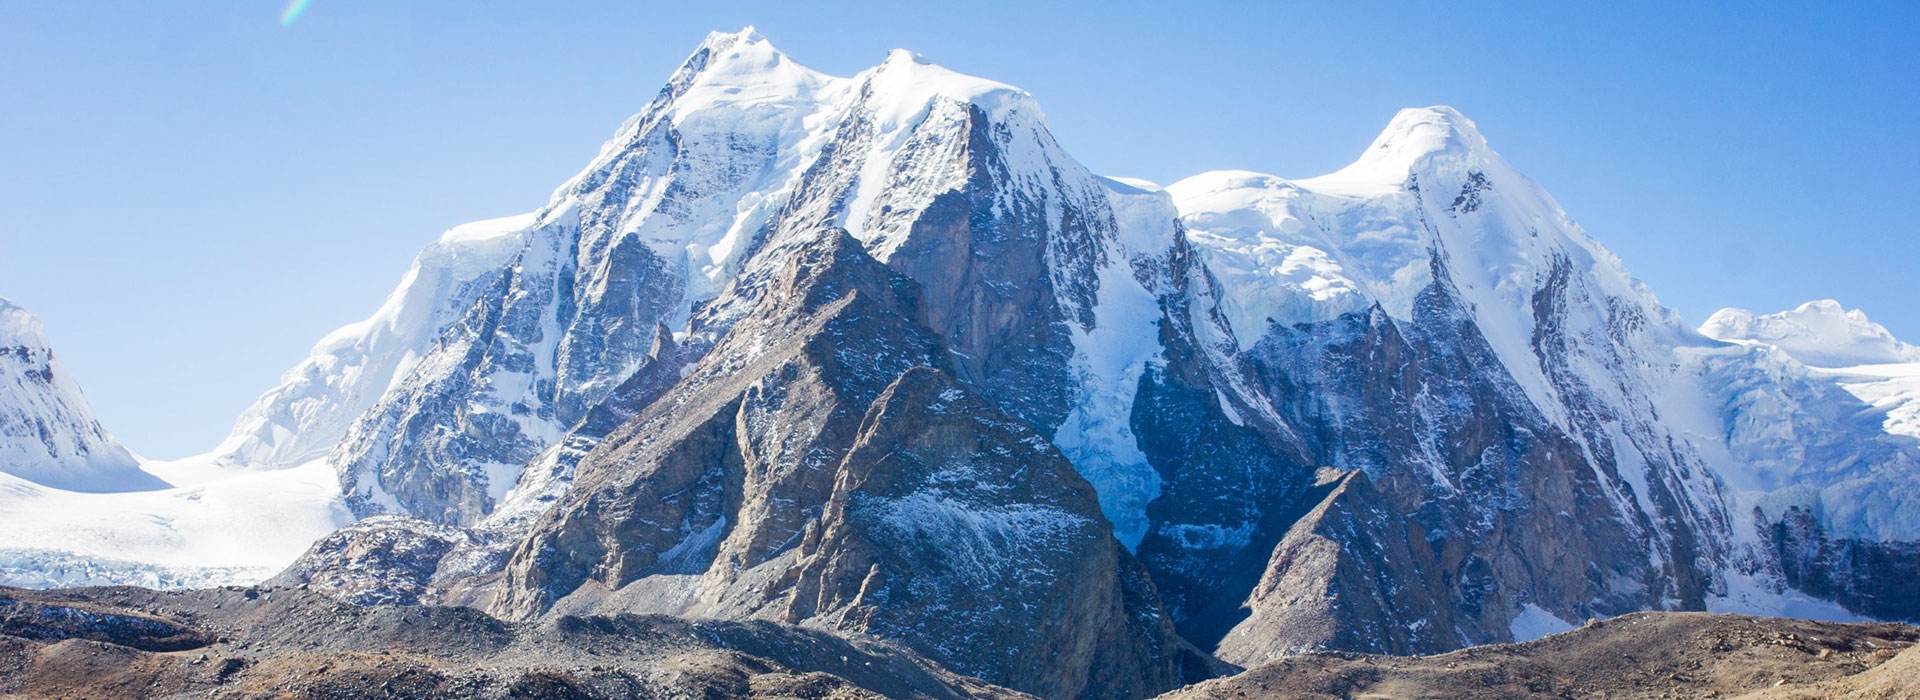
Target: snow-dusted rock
x,y
818,465
48,434
1430,317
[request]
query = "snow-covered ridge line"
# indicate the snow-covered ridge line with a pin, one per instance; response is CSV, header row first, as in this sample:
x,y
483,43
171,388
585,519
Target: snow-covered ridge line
x,y
1819,333
48,434
1838,344
736,87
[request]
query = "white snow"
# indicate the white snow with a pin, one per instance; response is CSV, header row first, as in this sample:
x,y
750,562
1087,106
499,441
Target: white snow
x,y
1431,189
1890,388
912,82
1301,251
48,434
352,367
977,540
1534,622
1841,345
1109,359
1748,594
1415,138
1819,333
745,125
218,526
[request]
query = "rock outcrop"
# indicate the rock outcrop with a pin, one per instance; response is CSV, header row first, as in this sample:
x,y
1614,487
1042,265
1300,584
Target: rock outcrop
x,y
819,466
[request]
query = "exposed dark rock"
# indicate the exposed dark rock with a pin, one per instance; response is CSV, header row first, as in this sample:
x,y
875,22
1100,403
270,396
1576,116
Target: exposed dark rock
x,y
1881,579
25,616
964,534
818,466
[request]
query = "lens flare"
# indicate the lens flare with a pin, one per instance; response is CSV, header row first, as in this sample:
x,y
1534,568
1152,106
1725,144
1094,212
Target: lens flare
x,y
292,14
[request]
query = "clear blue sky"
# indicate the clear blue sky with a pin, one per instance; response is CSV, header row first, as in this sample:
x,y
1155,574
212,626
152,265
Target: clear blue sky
x,y
191,193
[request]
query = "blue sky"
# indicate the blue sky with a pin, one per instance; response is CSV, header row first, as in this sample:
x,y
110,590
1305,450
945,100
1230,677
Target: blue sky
x,y
191,194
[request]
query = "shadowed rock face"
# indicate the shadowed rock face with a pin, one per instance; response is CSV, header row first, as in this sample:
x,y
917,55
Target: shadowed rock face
x,y
989,276
1472,505
965,534
819,466
1881,579
1232,478
715,469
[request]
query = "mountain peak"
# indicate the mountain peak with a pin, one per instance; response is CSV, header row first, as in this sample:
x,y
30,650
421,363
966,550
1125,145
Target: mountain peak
x,y
16,324
910,80
902,56
1819,333
48,434
1422,130
1416,138
742,71
721,41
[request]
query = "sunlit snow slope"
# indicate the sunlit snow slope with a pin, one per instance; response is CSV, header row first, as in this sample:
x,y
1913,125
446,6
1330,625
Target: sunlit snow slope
x,y
1858,354
48,435
76,508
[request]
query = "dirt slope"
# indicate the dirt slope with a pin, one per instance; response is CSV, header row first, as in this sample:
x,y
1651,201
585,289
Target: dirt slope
x,y
290,643
1644,655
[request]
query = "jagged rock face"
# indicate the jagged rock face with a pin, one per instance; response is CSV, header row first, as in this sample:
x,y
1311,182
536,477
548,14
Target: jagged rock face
x,y
990,291
1817,404
819,466
1232,470
778,399
1491,501
508,334
549,338
1523,456
48,434
1881,579
966,535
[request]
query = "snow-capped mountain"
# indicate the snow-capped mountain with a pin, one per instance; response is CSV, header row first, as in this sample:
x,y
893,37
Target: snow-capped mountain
x,y
48,434
1429,318
1858,354
506,334
1819,334
793,344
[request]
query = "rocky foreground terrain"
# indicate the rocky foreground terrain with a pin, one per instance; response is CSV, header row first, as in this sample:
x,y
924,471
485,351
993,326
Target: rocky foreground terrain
x,y
1643,655
288,642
